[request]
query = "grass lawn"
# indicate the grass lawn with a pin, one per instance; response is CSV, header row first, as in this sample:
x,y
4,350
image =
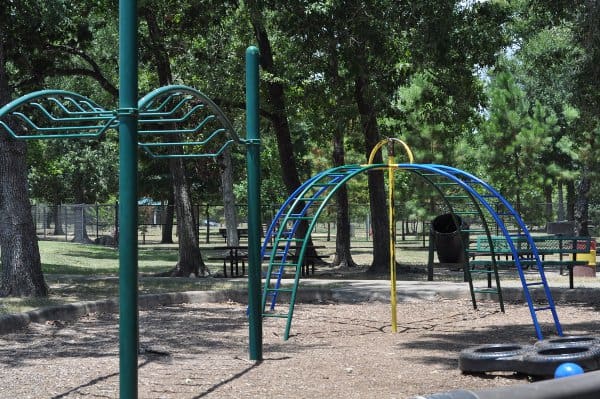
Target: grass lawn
x,y
79,272
95,260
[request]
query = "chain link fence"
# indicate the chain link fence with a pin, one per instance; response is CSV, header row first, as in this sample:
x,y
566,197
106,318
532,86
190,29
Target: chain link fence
x,y
99,223
79,222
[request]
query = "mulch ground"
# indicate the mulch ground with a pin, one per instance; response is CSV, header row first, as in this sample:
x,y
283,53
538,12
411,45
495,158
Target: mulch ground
x,y
335,351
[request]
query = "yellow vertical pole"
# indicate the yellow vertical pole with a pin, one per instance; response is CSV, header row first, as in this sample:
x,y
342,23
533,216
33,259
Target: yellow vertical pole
x,y
392,234
392,218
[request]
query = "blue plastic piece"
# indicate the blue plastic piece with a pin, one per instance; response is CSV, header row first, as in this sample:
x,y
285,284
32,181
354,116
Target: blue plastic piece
x,y
567,370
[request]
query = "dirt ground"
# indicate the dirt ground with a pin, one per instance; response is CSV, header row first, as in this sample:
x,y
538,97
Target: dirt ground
x,y
335,351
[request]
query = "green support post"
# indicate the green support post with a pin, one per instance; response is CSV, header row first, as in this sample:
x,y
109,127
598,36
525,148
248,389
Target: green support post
x,y
254,223
128,262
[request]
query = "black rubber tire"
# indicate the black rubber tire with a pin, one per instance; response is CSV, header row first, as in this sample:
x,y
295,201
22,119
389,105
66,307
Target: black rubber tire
x,y
588,340
543,361
492,357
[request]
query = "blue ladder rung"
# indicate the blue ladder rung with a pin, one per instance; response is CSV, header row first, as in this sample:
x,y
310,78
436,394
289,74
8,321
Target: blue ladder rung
x,y
324,184
297,215
544,308
536,283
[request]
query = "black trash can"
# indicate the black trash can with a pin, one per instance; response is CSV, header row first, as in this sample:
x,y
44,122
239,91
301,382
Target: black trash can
x,y
447,238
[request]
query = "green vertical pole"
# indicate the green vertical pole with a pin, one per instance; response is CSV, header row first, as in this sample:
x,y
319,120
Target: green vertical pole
x,y
254,223
128,267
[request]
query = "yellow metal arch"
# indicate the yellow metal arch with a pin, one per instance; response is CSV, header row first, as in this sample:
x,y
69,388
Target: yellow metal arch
x,y
391,141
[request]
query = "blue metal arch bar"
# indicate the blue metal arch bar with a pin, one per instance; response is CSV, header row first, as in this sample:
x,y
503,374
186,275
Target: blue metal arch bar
x,y
445,171
292,202
452,172
272,227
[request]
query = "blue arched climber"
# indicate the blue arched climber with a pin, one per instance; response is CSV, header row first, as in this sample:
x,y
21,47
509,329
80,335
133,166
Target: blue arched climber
x,y
462,192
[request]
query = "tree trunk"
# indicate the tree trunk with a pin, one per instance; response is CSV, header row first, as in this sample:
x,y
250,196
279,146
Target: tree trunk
x,y
518,207
377,197
570,200
582,205
19,252
276,100
549,211
343,256
79,218
58,220
226,169
79,225
156,43
190,259
169,214
560,213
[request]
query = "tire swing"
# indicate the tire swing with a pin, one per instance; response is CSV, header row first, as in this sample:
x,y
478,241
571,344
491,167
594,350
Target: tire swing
x,y
492,357
544,359
569,340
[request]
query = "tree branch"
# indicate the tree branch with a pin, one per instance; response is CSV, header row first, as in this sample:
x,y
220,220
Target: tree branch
x,y
95,72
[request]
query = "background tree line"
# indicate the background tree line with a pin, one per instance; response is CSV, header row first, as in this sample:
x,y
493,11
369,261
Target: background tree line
x,y
505,89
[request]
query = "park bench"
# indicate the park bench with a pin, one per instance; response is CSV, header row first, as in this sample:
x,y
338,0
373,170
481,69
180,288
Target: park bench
x,y
241,233
554,251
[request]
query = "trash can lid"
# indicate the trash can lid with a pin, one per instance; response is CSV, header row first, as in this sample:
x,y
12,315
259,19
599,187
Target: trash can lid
x,y
446,223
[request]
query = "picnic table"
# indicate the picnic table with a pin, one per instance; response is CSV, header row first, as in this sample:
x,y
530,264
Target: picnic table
x,y
308,262
569,250
234,256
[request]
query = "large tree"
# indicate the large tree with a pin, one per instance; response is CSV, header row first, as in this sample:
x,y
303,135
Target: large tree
x,y
277,107
512,139
39,41
21,265
190,259
20,256
374,49
587,97
555,58
181,44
